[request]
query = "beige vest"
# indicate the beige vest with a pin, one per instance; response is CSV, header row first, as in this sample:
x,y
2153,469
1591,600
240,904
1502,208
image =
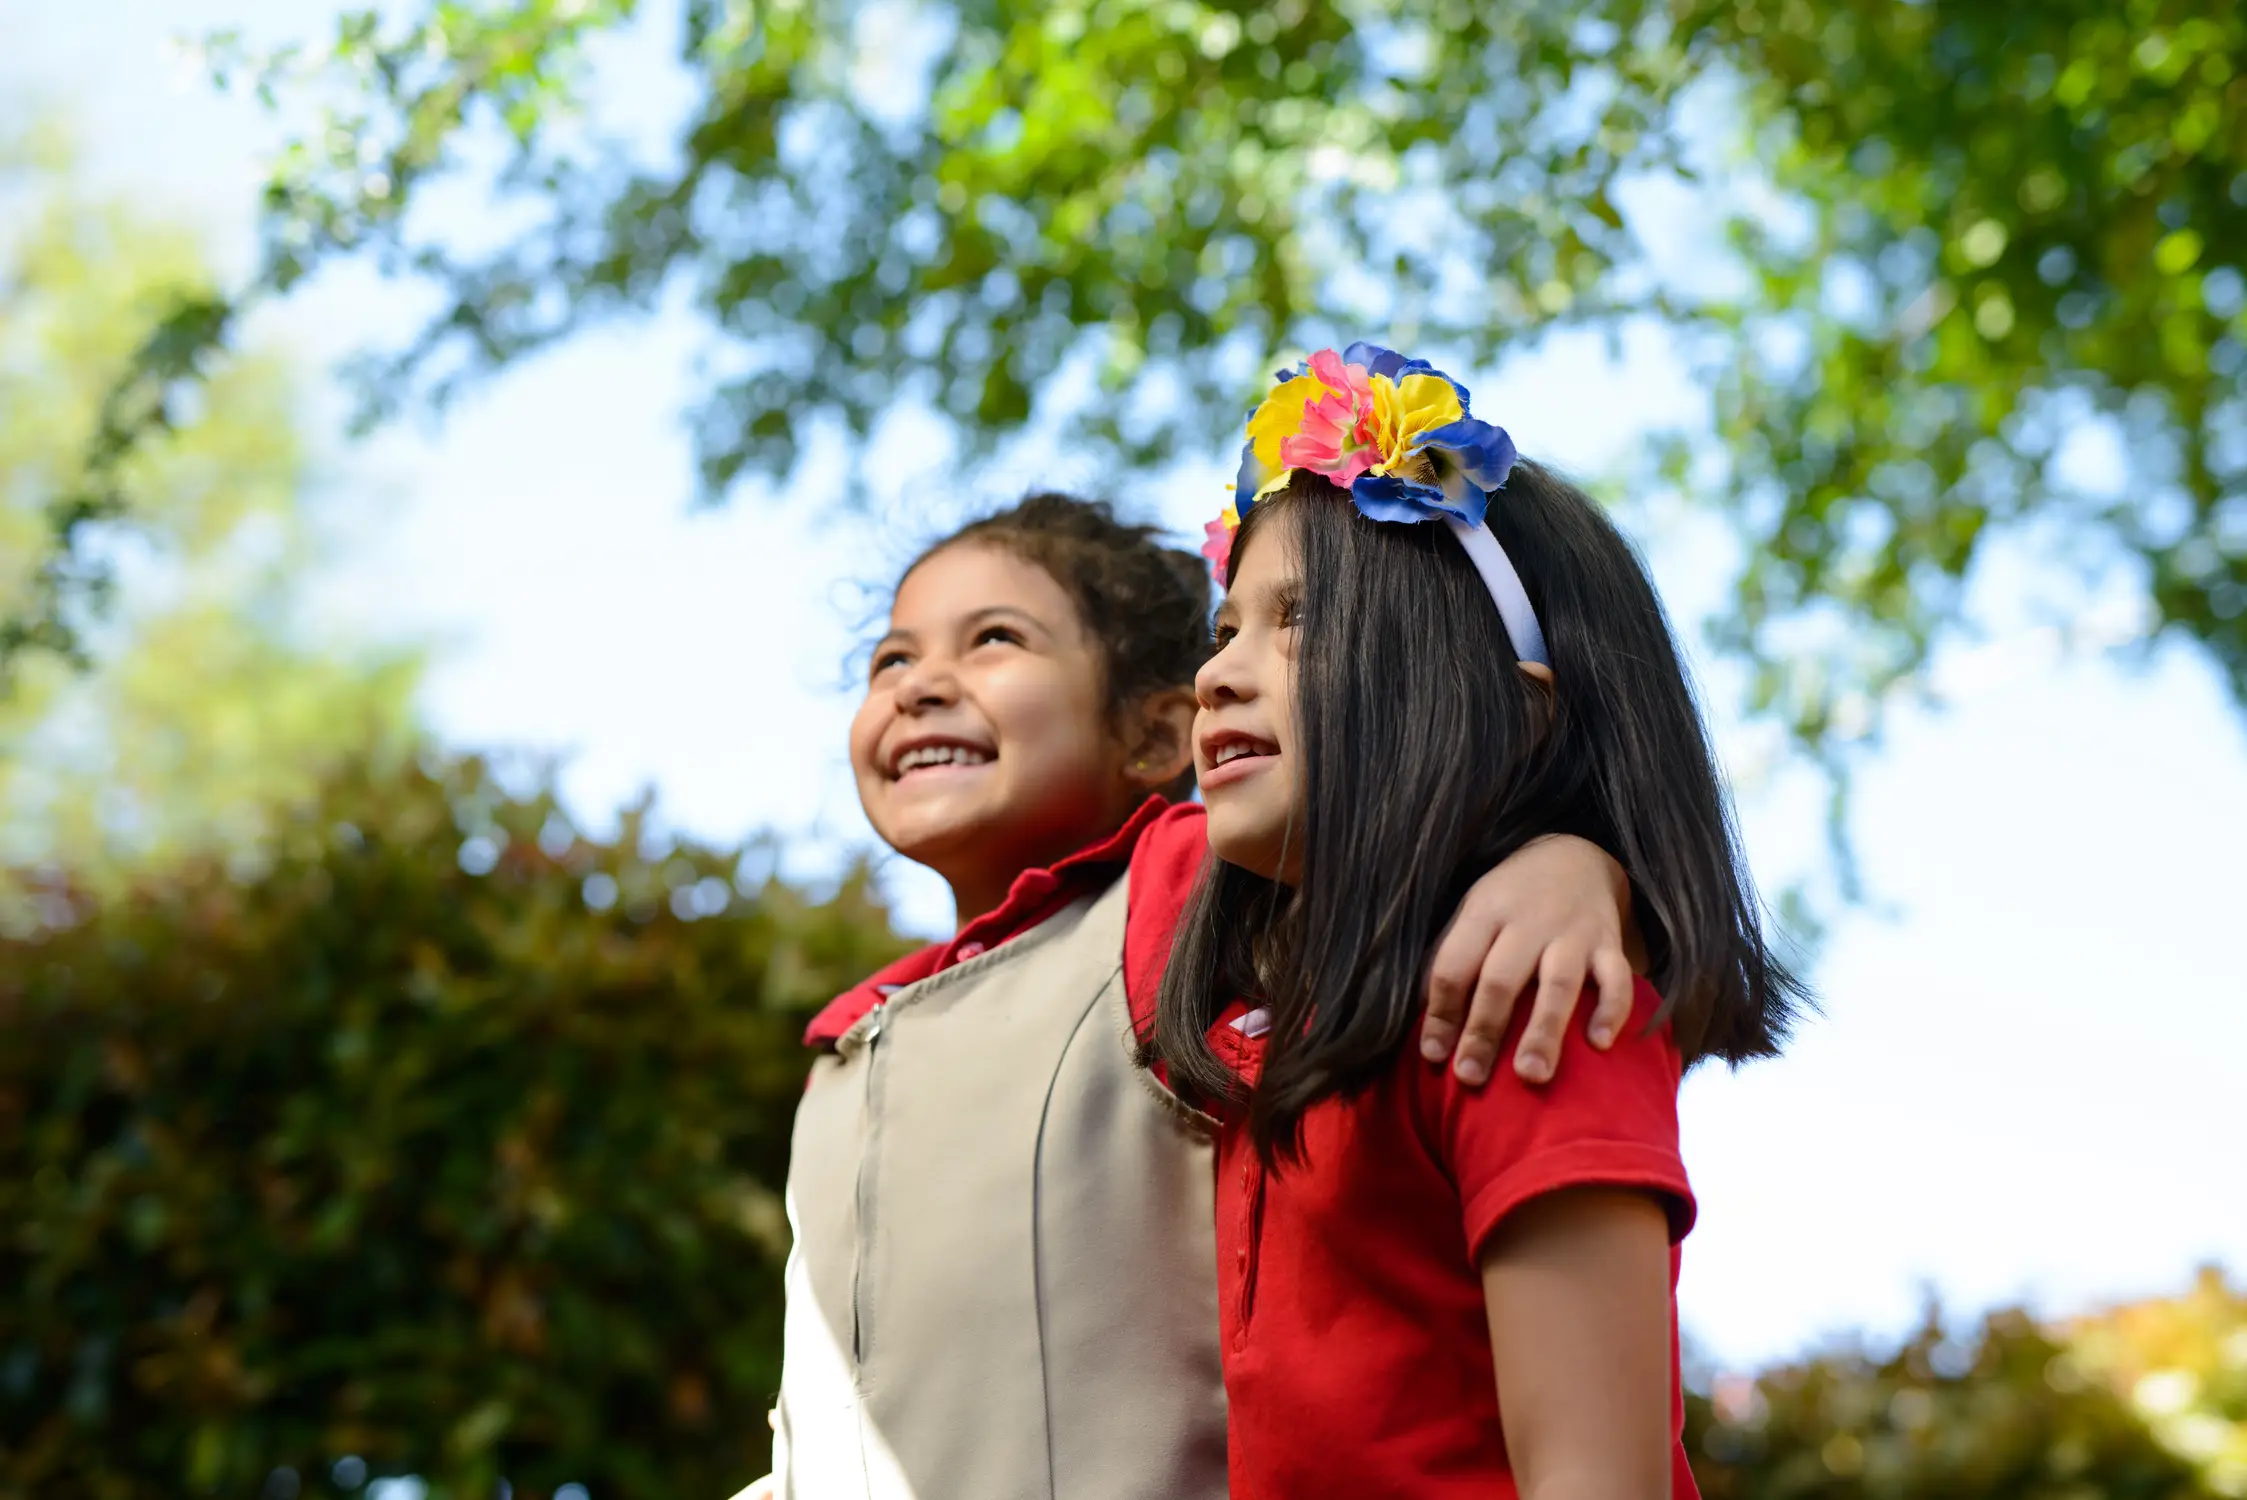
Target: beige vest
x,y
1003,1285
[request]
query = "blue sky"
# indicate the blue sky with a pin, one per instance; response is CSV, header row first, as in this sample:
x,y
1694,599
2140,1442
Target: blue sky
x,y
2026,1079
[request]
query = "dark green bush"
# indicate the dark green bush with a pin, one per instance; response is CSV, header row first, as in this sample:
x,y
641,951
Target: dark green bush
x,y
415,1148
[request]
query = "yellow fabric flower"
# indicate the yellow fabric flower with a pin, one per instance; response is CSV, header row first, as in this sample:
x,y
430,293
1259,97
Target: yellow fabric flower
x,y
1280,418
1405,412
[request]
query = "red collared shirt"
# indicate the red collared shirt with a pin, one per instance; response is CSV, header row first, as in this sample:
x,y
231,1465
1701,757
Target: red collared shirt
x,y
1356,1343
1164,845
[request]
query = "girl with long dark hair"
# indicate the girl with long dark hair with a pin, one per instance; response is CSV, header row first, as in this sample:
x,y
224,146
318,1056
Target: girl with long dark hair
x,y
1427,1290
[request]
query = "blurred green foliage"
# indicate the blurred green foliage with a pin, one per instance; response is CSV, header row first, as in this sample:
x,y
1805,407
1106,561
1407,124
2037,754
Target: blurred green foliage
x,y
2183,1361
111,370
941,201
2013,1410
209,697
2015,222
453,1141
1963,235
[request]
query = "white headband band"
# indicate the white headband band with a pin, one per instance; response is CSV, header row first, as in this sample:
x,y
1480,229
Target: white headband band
x,y
1506,592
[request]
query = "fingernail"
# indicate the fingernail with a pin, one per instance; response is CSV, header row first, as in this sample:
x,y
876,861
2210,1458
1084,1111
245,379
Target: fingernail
x,y
1431,1048
1536,1069
1602,1035
1471,1069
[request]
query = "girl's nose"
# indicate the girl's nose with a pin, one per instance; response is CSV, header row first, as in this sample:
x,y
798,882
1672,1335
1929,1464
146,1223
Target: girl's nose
x,y
1222,680
928,683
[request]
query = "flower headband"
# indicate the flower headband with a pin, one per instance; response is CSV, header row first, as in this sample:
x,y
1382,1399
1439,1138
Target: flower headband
x,y
1395,433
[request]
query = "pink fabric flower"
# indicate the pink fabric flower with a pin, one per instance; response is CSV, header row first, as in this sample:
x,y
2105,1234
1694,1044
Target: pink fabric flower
x,y
1336,438
1218,548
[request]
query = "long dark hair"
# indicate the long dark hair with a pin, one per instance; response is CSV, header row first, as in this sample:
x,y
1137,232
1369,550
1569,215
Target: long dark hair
x,y
1427,759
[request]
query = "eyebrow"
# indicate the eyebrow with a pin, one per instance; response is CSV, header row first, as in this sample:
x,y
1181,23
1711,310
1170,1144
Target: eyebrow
x,y
991,611
973,619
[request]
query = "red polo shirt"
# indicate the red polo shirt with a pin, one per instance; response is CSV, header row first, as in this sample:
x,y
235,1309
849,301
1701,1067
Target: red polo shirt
x,y
1356,1345
1164,845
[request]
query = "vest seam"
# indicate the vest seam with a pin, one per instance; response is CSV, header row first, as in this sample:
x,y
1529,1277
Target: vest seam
x,y
1037,1237
1127,1031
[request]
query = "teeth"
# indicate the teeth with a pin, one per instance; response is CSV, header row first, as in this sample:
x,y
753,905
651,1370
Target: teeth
x,y
1235,751
940,755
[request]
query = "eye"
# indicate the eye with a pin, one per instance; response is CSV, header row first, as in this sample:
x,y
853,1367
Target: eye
x,y
884,660
1289,607
1003,634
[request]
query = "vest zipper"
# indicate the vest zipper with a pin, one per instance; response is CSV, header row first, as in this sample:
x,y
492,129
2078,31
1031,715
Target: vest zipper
x,y
869,1138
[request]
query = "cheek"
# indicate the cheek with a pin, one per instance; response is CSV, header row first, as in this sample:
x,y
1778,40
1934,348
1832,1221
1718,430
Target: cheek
x,y
1281,675
866,728
1046,718
1284,788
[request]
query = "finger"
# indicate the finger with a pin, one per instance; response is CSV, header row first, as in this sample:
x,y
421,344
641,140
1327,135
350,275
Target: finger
x,y
1452,974
1560,984
1437,1036
1617,986
1506,968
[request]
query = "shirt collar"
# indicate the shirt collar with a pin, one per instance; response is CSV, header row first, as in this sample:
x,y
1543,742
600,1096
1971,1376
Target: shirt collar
x,y
1029,900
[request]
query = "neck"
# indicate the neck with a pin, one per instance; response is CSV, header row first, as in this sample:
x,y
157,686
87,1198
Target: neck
x,y
977,893
978,896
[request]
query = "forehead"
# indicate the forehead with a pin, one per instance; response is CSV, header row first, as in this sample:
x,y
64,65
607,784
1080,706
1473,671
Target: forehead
x,y
1270,555
969,577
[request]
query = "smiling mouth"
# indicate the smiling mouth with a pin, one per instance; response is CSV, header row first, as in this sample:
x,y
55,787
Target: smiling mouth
x,y
922,757
1229,747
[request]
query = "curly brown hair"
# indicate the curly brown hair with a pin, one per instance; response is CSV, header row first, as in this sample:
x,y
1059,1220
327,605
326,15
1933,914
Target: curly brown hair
x,y
1146,603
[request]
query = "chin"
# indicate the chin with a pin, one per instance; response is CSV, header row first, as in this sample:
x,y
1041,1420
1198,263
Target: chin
x,y
926,837
1246,843
923,827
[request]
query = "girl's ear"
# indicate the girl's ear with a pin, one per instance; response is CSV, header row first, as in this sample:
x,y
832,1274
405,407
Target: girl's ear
x,y
1163,749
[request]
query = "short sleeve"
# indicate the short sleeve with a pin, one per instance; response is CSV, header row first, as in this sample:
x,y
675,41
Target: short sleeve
x,y
1165,863
1607,1119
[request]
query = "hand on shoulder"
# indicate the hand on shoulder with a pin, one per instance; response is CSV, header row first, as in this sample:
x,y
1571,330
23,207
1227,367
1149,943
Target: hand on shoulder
x,y
1556,914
